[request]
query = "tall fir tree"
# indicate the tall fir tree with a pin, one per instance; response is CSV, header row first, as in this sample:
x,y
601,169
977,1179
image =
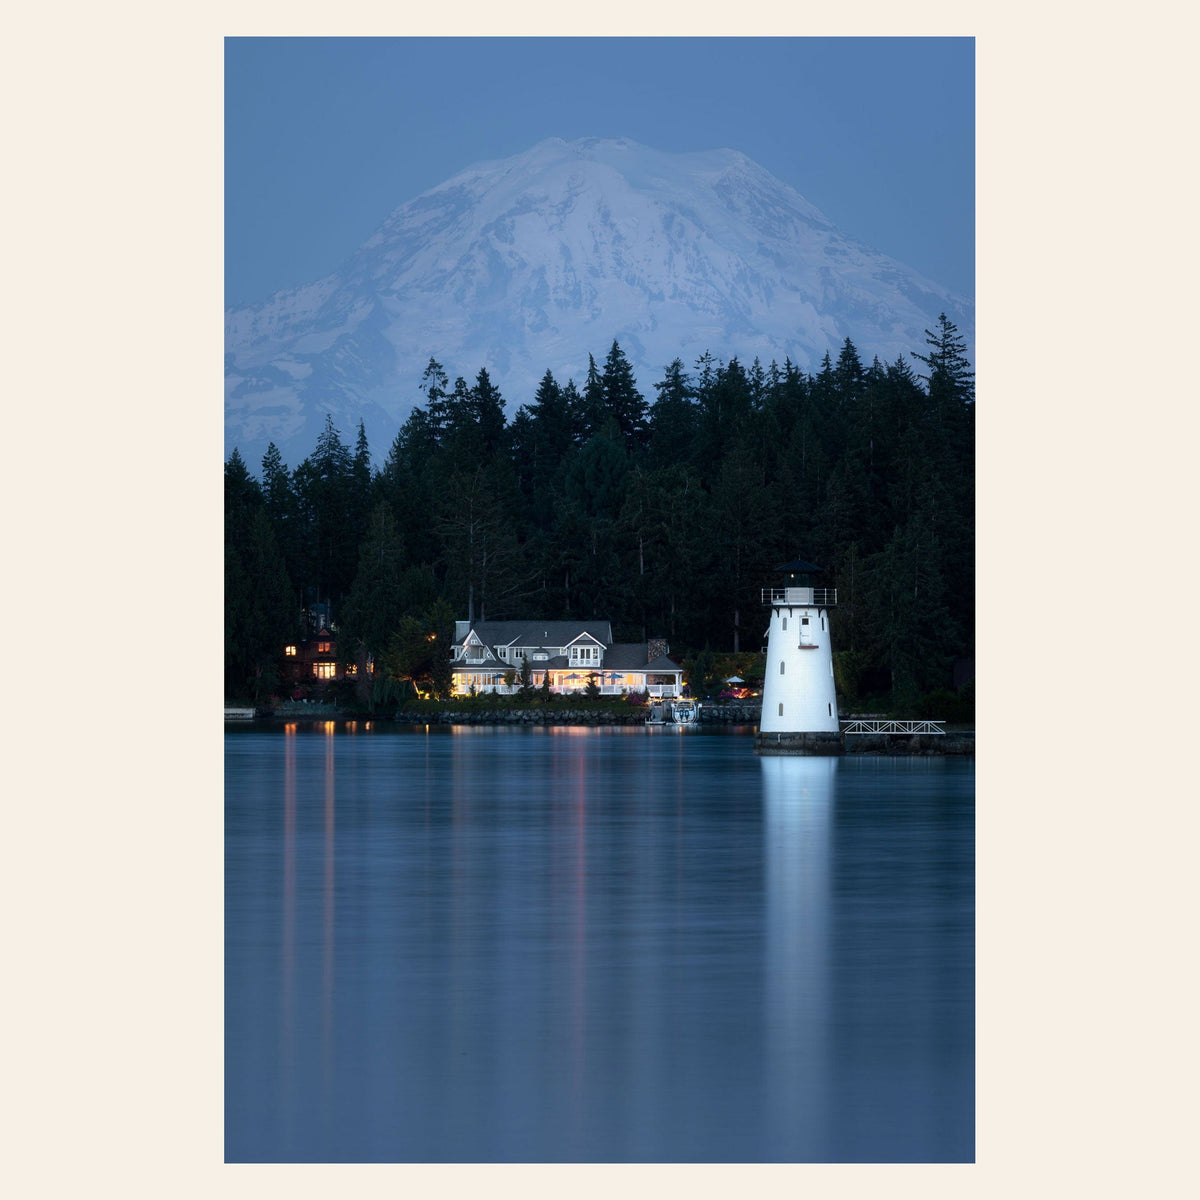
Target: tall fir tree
x,y
622,400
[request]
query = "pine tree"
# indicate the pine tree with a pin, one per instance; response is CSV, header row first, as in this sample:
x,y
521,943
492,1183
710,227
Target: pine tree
x,y
593,496
373,608
951,432
323,484
276,483
591,407
575,406
260,610
553,434
950,376
487,409
243,497
434,384
673,418
622,401
358,501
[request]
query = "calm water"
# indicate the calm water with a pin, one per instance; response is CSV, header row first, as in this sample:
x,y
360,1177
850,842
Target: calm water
x,y
483,945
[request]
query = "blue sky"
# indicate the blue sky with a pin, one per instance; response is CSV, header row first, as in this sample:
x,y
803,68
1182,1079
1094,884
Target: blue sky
x,y
325,136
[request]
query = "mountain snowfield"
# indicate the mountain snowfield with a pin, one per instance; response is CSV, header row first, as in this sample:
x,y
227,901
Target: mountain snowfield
x,y
532,262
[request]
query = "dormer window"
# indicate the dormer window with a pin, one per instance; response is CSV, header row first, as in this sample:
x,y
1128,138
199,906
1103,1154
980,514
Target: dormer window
x,y
290,651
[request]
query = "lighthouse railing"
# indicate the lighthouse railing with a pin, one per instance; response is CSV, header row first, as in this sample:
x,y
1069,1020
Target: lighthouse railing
x,y
799,595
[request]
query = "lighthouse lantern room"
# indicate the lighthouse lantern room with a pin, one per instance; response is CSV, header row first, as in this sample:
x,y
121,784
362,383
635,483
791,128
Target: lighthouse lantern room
x,y
798,689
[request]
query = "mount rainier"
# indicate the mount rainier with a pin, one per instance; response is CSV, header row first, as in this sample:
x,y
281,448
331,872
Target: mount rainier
x,y
533,262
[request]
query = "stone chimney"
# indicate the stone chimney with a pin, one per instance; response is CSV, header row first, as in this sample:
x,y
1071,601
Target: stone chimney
x,y
656,648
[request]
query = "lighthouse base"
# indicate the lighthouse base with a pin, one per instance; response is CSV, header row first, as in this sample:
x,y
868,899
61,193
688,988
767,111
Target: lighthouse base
x,y
806,744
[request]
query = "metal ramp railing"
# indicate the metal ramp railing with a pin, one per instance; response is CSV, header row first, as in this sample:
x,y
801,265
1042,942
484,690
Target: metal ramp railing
x,y
860,726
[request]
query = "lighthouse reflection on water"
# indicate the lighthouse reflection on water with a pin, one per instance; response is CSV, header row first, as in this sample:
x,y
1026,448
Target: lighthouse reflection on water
x,y
798,798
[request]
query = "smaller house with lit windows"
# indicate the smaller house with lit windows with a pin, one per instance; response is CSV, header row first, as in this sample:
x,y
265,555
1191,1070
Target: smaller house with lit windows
x,y
315,660
570,653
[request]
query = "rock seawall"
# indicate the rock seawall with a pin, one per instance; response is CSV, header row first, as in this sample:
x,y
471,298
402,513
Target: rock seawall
x,y
801,744
941,745
525,716
723,714
730,714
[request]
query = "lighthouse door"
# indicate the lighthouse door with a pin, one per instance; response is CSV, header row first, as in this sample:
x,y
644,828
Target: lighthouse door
x,y
805,632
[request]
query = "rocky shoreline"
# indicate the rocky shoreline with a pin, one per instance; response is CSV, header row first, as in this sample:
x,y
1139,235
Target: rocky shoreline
x,y
957,743
725,714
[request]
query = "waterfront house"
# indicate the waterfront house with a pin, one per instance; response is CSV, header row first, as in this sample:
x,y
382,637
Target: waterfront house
x,y
315,660
570,653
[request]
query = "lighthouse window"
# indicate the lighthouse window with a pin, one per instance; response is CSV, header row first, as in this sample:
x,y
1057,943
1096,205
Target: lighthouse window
x,y
822,624
781,666
785,622
803,620
781,709
831,709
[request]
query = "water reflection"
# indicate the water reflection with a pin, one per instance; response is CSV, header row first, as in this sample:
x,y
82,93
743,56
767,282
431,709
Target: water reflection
x,y
798,795
327,908
287,1024
541,945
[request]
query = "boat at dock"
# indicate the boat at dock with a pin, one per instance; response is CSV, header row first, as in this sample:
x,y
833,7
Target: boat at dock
x,y
673,712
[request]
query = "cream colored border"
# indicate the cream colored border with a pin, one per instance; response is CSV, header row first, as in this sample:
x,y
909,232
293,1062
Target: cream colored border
x,y
113,202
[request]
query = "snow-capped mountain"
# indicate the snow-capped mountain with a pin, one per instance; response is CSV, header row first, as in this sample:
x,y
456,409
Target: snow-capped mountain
x,y
535,261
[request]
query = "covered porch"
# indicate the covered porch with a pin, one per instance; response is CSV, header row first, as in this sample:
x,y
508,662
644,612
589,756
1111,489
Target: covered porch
x,y
570,683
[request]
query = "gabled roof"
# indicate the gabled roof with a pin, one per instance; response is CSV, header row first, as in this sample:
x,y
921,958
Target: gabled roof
x,y
586,637
489,662
540,633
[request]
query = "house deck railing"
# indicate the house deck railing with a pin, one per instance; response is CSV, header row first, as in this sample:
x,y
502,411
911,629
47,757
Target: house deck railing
x,y
656,690
800,595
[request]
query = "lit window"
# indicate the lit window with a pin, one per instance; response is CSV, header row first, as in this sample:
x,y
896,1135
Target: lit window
x,y
352,668
322,647
323,670
290,651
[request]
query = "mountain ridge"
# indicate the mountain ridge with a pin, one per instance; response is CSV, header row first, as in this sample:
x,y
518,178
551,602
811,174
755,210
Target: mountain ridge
x,y
531,263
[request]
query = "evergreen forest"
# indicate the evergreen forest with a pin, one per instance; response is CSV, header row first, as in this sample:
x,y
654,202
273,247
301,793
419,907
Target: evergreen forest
x,y
665,513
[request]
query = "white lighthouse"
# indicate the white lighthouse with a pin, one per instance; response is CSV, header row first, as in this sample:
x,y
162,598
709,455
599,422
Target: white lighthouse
x,y
799,698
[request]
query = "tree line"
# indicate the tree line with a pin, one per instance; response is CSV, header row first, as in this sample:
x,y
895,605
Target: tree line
x,y
665,515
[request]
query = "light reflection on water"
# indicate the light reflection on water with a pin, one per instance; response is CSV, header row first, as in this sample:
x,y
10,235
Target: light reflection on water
x,y
559,944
